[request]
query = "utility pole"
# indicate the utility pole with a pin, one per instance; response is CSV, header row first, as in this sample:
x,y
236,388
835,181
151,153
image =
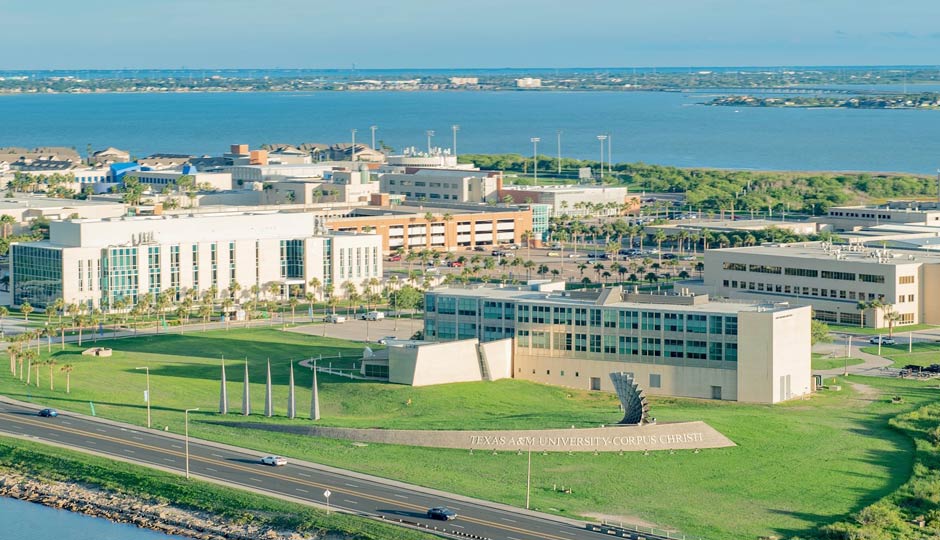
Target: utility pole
x,y
528,480
372,129
455,128
558,133
535,158
429,133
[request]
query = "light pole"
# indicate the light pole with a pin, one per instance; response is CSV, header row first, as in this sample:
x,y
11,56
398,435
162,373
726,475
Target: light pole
x,y
429,133
353,158
147,393
609,161
455,128
528,480
186,430
558,134
372,129
602,138
535,158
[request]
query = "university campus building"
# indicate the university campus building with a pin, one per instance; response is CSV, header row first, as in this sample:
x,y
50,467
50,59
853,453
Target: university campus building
x,y
99,261
833,279
674,344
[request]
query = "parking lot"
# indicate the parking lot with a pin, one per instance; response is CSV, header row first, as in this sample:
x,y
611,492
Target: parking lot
x,y
370,331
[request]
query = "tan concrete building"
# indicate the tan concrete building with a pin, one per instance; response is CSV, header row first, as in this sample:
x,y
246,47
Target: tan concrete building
x,y
850,218
573,200
833,279
449,185
407,227
677,345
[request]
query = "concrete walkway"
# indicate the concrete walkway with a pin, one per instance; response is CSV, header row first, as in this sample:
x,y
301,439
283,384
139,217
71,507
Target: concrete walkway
x,y
872,365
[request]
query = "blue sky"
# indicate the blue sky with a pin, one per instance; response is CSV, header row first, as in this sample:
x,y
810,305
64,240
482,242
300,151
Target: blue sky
x,y
70,34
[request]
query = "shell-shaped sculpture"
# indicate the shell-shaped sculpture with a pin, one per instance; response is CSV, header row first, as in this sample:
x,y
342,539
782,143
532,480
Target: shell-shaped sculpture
x,y
636,409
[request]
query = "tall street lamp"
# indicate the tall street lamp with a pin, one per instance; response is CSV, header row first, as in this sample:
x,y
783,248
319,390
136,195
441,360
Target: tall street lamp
x,y
186,431
353,158
535,158
602,138
528,480
429,133
147,393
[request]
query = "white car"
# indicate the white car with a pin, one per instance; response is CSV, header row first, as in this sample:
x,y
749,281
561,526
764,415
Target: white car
x,y
335,319
274,461
883,340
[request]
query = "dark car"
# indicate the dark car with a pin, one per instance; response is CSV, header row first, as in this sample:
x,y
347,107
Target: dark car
x,y
441,512
49,413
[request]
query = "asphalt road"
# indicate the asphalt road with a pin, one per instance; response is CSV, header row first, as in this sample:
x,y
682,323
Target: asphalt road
x,y
304,482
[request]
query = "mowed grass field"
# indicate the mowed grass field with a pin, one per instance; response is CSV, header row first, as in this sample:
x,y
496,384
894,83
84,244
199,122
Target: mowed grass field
x,y
797,465
822,361
921,354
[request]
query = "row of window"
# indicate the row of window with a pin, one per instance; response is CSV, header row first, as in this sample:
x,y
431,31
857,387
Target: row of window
x,y
808,272
809,291
624,346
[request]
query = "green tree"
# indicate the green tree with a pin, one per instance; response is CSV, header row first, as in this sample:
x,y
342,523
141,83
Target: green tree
x,y
819,332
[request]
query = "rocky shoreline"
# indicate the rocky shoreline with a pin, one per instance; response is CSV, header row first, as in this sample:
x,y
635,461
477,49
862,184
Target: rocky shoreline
x,y
152,515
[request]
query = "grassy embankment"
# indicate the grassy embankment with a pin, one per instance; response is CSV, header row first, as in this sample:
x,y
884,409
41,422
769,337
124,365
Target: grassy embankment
x,y
52,463
840,453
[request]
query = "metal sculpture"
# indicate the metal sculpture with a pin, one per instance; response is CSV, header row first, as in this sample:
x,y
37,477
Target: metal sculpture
x,y
636,409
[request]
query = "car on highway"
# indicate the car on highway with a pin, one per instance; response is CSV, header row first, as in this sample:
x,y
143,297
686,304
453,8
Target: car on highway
x,y
274,461
670,256
335,319
49,413
884,340
455,264
442,513
479,248
394,258
553,254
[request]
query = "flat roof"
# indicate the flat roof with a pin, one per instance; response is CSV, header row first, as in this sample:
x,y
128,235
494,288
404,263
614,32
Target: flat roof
x,y
21,203
853,253
571,298
560,188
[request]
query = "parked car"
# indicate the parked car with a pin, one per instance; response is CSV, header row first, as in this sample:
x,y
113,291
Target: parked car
x,y
574,255
385,340
441,512
479,248
670,256
49,413
883,340
553,254
371,316
497,253
455,264
431,270
274,461
513,246
394,258
335,319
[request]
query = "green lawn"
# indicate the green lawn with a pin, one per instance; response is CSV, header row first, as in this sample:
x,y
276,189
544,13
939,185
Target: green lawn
x,y
899,331
822,361
839,452
922,354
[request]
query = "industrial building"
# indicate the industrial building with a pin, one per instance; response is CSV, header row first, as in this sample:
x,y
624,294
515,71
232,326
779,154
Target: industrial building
x,y
674,344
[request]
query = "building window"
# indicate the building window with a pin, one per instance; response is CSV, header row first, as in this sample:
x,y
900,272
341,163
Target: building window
x,y
655,380
905,280
871,278
37,275
292,259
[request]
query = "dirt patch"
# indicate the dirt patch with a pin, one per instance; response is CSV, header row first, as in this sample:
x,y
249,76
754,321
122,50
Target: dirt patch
x,y
627,521
865,392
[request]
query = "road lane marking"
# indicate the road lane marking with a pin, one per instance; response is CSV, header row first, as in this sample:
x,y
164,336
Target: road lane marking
x,y
128,450
218,455
171,460
458,526
255,479
176,446
569,533
304,474
99,430
137,438
274,475
509,520
211,469
301,490
66,422
350,502
352,485
399,496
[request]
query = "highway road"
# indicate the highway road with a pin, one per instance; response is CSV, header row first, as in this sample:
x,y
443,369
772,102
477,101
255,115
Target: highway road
x,y
303,482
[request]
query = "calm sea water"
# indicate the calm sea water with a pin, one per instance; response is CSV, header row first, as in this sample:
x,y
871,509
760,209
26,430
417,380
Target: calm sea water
x,y
21,520
654,127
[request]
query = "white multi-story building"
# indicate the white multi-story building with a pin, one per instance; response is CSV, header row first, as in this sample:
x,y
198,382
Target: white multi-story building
x,y
443,185
673,344
98,261
836,280
218,180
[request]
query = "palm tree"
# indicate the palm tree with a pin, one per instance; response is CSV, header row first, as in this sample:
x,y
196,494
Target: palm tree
x,y
316,285
227,305
26,309
652,277
67,369
659,236
4,313
205,311
52,364
892,317
293,307
528,265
